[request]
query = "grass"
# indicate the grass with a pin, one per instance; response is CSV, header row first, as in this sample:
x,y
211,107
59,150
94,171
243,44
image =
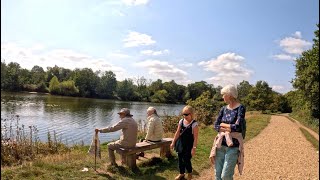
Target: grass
x,y
310,123
310,138
69,165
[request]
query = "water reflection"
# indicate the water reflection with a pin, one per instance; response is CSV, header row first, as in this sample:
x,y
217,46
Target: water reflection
x,y
74,119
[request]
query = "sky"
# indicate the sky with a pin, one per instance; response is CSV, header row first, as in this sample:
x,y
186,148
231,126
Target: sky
x,y
218,41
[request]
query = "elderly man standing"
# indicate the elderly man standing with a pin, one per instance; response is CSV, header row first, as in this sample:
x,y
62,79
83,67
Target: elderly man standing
x,y
128,138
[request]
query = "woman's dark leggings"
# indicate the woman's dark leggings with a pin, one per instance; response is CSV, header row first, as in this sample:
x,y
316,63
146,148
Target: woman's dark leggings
x,y
185,162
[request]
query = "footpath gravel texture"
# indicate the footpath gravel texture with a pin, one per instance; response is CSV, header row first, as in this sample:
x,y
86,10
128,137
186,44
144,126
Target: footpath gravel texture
x,y
280,151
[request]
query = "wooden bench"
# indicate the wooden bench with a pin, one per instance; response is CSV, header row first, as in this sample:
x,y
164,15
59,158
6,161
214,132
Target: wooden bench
x,y
129,155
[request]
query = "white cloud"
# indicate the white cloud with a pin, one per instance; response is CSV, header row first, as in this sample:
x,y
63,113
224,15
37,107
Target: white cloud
x,y
165,71
283,57
281,89
154,53
135,39
294,45
186,64
229,68
277,88
135,2
297,34
29,57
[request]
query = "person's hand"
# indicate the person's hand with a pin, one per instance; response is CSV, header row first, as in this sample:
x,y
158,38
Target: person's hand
x,y
172,145
193,152
97,130
225,125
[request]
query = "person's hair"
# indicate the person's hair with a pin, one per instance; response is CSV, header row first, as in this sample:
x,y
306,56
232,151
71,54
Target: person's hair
x,y
153,109
230,90
191,110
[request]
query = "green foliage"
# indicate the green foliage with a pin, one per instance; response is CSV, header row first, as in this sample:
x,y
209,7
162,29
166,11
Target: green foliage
x,y
107,85
170,123
307,76
54,85
205,108
68,88
125,90
175,92
280,104
160,96
12,80
197,88
310,138
38,75
86,81
260,96
244,88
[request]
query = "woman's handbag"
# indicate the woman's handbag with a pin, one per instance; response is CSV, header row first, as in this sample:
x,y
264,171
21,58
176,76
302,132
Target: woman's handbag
x,y
178,145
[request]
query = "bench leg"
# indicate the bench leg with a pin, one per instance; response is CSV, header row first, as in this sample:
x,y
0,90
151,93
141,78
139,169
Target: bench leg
x,y
123,159
131,161
165,151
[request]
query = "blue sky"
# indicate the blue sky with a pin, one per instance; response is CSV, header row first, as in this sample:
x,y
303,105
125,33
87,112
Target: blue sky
x,y
220,42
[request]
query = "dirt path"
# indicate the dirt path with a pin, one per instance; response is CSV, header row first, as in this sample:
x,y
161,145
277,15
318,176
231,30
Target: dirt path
x,y
280,151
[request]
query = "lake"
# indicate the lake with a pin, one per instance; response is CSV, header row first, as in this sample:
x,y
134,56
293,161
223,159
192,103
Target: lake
x,y
72,118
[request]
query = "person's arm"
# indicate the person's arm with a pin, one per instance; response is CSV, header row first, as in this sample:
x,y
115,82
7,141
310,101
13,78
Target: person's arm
x,y
150,129
217,123
195,142
240,118
176,136
120,125
224,127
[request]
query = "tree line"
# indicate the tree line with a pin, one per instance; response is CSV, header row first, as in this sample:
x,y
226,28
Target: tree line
x,y
86,83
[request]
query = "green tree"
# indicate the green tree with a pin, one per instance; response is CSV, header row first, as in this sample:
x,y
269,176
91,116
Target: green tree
x,y
206,108
197,88
125,90
175,92
107,85
68,88
260,96
244,89
86,81
12,82
307,76
3,74
160,96
54,85
38,75
155,86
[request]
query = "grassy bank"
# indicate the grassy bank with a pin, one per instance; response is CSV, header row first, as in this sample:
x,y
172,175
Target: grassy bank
x,y
310,138
70,165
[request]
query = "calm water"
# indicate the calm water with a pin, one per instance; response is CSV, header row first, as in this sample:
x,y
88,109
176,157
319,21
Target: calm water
x,y
74,119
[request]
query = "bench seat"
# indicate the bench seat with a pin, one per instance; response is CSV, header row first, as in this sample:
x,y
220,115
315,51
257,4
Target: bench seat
x,y
129,155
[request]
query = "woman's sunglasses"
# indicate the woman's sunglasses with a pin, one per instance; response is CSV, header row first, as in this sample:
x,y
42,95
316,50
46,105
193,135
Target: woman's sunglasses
x,y
186,114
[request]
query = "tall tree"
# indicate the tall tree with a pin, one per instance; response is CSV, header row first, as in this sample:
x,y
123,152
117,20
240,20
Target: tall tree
x,y
125,90
12,81
307,76
197,88
260,96
107,85
86,81
243,90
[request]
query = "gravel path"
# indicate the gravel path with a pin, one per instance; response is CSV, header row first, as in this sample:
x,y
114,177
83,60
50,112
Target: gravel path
x,y
280,151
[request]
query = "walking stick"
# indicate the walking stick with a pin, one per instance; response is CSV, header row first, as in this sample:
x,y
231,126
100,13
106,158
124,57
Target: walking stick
x,y
95,151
